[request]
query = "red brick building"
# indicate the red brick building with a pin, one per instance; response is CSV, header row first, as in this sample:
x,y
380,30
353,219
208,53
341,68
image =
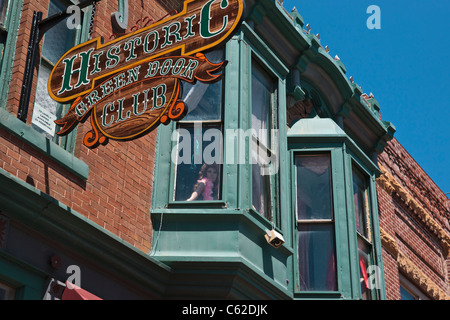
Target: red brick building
x,y
414,225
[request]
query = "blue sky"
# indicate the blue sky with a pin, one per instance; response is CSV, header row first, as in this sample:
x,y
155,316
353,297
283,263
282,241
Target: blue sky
x,y
405,64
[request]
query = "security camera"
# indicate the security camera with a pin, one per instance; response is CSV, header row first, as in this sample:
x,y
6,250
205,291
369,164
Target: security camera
x,y
274,238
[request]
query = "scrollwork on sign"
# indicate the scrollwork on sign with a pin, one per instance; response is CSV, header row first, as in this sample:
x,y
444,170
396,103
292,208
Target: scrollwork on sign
x,y
132,84
94,138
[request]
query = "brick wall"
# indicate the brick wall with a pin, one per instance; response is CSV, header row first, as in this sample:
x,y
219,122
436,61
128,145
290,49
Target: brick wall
x,y
117,195
414,222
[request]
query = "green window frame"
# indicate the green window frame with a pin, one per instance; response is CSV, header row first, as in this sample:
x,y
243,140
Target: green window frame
x,y
363,200
9,122
320,269
315,222
354,242
197,148
256,57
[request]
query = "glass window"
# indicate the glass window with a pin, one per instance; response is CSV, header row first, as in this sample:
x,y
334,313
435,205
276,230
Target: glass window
x,y
406,295
409,291
57,41
203,99
362,204
315,223
361,200
263,96
198,169
200,140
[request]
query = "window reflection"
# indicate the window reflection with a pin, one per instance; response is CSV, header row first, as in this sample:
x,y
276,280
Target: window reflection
x,y
204,100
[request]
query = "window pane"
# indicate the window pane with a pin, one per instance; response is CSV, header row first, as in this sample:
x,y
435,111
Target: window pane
x,y
361,200
204,101
314,196
263,88
59,39
198,159
316,259
406,295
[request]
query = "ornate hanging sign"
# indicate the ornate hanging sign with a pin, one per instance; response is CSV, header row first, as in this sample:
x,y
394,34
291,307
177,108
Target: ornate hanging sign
x,y
132,84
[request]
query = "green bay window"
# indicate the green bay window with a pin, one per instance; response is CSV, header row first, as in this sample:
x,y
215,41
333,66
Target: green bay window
x,y
334,211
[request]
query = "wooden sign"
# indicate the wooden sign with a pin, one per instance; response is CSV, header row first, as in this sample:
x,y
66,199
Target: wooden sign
x,y
132,84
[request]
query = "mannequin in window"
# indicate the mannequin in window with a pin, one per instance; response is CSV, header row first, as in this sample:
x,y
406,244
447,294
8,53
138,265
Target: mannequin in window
x,y
206,187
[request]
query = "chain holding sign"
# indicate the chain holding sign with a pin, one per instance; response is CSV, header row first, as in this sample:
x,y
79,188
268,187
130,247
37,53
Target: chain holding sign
x,y
131,85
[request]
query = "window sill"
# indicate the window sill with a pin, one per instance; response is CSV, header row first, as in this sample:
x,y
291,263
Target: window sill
x,y
43,145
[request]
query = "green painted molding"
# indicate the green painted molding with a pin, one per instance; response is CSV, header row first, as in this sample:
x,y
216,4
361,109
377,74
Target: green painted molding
x,y
309,131
43,145
259,47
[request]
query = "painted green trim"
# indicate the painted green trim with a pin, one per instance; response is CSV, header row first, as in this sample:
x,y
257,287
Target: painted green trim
x,y
297,138
263,51
13,21
254,48
43,145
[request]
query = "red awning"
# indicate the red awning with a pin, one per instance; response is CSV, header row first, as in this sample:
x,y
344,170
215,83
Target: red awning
x,y
73,292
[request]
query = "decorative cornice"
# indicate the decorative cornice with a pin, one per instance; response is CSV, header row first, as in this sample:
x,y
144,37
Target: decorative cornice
x,y
388,183
411,270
